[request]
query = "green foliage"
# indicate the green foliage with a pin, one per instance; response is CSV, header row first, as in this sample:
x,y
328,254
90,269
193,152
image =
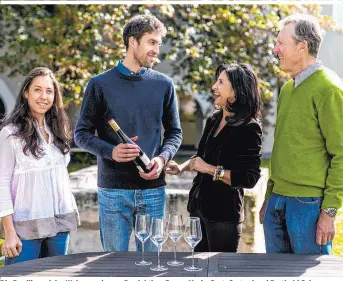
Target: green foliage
x,y
338,240
1,261
83,158
79,41
206,35
73,167
76,41
80,160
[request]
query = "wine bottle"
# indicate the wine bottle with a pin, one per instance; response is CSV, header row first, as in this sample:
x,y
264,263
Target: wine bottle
x,y
142,160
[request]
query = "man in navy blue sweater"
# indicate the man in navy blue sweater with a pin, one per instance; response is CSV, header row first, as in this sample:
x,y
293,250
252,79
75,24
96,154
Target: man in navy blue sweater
x,y
140,100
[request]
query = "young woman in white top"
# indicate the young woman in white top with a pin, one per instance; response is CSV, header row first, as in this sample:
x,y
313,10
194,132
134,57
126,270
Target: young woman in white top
x,y
37,207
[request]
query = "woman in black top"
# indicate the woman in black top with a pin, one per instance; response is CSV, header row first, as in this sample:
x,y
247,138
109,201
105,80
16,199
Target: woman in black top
x,y
227,160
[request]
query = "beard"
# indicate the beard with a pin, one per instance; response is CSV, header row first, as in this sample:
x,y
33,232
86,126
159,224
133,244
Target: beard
x,y
143,60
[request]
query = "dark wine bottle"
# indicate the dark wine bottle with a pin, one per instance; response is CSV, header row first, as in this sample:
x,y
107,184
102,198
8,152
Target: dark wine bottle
x,y
142,160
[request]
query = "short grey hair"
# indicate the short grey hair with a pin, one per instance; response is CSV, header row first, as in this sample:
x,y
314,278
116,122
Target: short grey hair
x,y
306,28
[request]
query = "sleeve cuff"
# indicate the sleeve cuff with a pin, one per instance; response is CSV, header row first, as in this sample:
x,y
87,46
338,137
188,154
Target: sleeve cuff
x,y
108,152
331,203
165,156
6,213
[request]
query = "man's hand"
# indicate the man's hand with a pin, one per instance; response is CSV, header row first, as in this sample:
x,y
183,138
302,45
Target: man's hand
x,y
198,165
12,246
325,229
125,152
156,165
263,211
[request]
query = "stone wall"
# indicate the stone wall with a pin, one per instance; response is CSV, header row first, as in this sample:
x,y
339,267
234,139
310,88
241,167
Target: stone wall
x,y
87,237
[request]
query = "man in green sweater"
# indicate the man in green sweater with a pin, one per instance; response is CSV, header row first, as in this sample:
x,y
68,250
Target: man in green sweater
x,y
305,188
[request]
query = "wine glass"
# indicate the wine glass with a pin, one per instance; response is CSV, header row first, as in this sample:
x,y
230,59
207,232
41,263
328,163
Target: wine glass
x,y
175,229
142,232
192,236
158,235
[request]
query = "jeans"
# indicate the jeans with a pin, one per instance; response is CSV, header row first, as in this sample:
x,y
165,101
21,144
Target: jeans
x,y
217,236
42,248
290,225
117,210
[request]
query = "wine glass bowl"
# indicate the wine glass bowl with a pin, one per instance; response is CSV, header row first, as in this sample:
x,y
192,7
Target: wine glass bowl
x,y
142,232
158,235
175,230
192,236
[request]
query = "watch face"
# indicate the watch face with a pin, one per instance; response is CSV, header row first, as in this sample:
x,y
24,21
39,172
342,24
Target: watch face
x,y
330,212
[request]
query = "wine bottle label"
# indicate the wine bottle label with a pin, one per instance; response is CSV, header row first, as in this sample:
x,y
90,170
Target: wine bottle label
x,y
145,159
114,125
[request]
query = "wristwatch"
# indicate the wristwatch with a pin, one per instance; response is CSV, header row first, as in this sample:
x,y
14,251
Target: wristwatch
x,y
331,212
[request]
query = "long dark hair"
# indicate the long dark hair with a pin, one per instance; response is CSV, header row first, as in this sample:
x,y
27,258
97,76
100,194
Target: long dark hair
x,y
244,83
56,118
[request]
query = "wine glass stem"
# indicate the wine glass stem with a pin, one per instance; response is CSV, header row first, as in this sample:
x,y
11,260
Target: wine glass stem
x,y
174,251
142,251
158,257
192,257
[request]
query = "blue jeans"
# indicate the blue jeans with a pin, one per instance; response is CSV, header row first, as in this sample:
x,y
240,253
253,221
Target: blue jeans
x,y
42,248
117,210
290,225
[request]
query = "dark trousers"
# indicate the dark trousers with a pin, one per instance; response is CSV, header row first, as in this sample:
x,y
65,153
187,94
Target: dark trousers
x,y
218,236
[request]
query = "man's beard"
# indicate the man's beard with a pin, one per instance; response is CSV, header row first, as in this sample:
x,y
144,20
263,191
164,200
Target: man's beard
x,y
143,62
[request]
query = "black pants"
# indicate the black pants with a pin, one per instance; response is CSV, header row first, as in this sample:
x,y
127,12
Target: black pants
x,y
218,236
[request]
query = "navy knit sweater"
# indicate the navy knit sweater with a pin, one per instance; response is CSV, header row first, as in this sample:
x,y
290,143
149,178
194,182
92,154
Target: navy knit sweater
x,y
140,105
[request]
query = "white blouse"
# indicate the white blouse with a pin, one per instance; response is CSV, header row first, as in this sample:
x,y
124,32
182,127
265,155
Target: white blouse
x,y
35,191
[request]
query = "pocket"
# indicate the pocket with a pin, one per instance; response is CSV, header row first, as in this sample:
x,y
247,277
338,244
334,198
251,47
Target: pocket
x,y
309,200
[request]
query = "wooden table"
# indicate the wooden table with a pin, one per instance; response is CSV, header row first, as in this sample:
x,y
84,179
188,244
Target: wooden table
x,y
213,264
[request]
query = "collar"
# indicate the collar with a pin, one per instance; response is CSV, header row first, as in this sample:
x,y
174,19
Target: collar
x,y
303,75
127,72
46,128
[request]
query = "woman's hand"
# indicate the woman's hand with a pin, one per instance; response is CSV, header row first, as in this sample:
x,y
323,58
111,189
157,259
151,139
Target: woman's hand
x,y
199,165
173,168
12,246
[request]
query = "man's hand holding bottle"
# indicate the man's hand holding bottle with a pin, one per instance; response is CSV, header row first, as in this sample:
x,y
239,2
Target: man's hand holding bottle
x,y
125,152
156,165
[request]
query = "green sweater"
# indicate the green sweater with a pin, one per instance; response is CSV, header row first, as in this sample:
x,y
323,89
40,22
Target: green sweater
x,y
307,157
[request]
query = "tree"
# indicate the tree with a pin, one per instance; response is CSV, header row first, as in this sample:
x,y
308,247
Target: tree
x,y
79,41
75,41
203,36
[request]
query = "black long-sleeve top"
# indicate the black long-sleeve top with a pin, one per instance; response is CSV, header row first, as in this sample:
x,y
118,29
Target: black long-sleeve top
x,y
236,148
